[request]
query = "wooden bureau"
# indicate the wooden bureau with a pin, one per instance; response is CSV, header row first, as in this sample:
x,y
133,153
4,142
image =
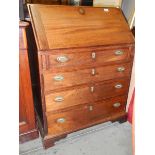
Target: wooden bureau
x,y
85,57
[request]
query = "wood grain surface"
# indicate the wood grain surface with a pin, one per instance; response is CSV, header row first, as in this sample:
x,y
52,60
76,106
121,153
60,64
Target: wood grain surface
x,y
83,58
66,27
82,115
26,105
89,75
83,94
86,91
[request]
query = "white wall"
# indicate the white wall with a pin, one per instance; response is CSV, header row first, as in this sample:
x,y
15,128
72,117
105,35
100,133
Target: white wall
x,y
128,7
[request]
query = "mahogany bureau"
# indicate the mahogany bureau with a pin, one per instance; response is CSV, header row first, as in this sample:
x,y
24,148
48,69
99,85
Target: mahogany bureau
x,y
85,57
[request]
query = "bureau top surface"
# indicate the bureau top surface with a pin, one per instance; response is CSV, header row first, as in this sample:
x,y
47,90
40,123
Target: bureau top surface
x,y
58,27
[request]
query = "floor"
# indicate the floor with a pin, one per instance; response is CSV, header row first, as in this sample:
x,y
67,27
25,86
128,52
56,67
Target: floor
x,y
103,139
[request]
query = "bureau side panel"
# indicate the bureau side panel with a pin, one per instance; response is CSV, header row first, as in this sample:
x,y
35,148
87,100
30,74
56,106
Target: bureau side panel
x,y
36,68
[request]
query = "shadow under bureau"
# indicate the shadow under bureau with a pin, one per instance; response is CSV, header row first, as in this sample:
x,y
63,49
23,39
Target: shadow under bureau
x,y
85,57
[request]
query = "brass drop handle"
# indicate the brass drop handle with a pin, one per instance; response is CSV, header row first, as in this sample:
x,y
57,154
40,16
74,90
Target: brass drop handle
x,y
58,78
62,58
121,69
58,99
81,11
61,120
119,52
93,55
118,86
116,105
93,72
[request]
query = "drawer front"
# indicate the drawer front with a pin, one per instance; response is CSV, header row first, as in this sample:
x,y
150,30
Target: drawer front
x,y
85,94
80,59
58,80
83,115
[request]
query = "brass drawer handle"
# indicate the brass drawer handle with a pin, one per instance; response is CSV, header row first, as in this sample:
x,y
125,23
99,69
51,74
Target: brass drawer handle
x,y
58,78
92,89
61,120
118,86
121,69
93,72
119,52
59,99
81,11
62,59
116,105
93,55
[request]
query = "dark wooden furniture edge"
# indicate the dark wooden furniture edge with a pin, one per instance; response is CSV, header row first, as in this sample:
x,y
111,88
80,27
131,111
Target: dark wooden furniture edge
x,y
97,47
41,43
121,119
39,124
50,141
33,134
36,81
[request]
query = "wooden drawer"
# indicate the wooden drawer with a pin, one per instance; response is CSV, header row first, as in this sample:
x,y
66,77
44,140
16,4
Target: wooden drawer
x,y
85,94
53,81
85,115
73,60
